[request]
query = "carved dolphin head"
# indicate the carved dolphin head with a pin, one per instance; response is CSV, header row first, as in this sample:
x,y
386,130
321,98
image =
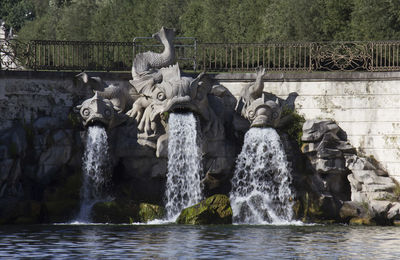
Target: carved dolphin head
x,y
164,33
176,93
262,113
97,110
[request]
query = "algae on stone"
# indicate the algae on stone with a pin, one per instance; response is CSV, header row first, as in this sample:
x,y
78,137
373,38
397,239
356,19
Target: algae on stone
x,y
148,212
213,210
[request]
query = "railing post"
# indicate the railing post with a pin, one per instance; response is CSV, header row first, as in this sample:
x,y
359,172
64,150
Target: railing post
x,y
310,59
195,55
35,57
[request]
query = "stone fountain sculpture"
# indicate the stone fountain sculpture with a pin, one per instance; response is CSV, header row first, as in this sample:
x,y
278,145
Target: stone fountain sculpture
x,y
163,90
157,89
108,104
255,107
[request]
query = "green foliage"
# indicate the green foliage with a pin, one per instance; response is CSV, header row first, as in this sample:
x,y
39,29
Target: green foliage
x,y
16,12
74,120
208,20
294,125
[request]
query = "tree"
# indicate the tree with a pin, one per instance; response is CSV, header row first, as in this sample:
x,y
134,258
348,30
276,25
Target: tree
x,y
375,20
16,12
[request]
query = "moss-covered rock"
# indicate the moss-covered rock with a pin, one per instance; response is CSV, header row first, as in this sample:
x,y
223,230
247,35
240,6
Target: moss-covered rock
x,y
213,210
115,212
21,212
315,208
148,212
396,223
362,222
57,211
62,199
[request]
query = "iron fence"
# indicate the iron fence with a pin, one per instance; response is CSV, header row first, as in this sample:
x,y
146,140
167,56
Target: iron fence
x,y
212,57
14,55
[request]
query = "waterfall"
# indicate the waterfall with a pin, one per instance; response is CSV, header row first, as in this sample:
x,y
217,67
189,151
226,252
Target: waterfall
x,y
96,171
261,191
184,165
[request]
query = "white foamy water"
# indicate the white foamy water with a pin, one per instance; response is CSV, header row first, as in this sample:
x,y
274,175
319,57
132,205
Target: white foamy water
x,y
261,191
96,171
184,165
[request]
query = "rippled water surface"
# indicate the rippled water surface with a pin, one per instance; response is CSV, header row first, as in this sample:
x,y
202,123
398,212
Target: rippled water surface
x,y
206,242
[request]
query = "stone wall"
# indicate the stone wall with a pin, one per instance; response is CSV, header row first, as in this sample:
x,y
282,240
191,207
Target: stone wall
x,y
365,105
27,95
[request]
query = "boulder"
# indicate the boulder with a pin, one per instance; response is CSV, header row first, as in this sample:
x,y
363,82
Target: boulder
x,y
115,212
352,209
314,130
366,186
148,212
353,162
394,211
328,166
380,207
213,210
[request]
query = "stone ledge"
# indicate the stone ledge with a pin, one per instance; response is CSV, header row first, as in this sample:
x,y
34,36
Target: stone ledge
x,y
238,77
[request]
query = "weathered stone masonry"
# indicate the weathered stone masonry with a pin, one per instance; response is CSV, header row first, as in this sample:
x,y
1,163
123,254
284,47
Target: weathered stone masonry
x,y
366,105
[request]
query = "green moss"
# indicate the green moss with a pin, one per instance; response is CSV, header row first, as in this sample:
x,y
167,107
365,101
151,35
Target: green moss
x,y
362,222
148,212
311,210
213,210
294,125
74,120
396,223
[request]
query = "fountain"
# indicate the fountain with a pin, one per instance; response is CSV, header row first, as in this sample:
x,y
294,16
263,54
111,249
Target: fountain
x,y
95,171
184,165
162,94
261,183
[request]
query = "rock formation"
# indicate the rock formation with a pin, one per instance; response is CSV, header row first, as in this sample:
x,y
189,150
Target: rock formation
x,y
346,186
213,210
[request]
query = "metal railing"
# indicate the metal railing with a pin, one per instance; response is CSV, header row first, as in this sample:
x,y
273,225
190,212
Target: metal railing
x,y
81,55
212,57
14,55
247,57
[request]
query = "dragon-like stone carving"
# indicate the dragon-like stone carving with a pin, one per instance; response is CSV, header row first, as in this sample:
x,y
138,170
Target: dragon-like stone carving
x,y
145,68
107,106
175,93
254,106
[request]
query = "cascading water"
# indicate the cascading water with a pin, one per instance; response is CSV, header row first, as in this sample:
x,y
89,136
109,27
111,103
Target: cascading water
x,y
184,165
96,169
261,191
